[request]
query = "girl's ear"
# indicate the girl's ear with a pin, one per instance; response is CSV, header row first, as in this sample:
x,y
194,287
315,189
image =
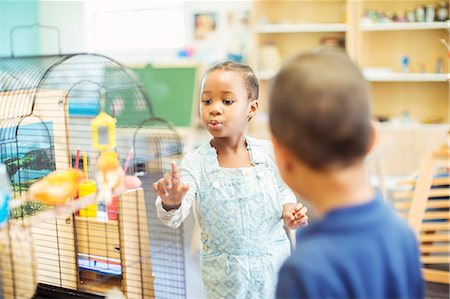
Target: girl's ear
x,y
253,106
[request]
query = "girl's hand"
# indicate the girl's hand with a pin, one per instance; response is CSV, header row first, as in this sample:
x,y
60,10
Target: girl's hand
x,y
294,215
170,189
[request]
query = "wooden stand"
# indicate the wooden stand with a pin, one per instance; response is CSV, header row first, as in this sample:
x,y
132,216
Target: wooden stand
x,y
17,262
426,207
55,252
135,247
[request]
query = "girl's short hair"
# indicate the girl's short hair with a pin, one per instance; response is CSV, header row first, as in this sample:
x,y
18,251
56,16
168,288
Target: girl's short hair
x,y
251,82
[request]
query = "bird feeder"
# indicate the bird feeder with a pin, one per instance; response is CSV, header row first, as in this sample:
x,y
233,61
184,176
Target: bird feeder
x,y
104,132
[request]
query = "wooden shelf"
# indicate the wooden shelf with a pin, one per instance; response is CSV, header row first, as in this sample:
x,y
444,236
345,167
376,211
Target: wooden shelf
x,y
404,26
295,28
406,77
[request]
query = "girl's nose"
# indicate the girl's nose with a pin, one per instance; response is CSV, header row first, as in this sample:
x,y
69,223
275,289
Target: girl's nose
x,y
216,108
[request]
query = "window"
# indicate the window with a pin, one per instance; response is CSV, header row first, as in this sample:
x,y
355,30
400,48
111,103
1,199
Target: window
x,y
135,26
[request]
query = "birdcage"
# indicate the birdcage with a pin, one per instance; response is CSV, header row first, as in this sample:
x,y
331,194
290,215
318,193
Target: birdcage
x,y
47,104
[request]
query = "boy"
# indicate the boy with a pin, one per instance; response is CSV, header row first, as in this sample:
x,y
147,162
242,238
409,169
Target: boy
x,y
321,128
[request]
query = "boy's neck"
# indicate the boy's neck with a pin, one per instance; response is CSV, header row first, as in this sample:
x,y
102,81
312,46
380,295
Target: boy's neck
x,y
338,189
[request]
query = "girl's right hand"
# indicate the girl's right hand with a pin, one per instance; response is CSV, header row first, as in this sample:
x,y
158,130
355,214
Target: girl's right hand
x,y
170,189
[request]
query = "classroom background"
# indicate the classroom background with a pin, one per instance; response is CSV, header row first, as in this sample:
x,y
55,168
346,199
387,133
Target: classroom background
x,y
402,47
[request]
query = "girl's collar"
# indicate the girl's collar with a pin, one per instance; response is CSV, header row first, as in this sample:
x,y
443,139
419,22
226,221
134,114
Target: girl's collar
x,y
256,156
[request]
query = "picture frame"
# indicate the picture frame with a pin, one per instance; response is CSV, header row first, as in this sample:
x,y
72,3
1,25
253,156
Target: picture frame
x,y
205,23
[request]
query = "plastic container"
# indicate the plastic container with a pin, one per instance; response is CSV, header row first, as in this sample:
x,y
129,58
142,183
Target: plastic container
x,y
87,188
5,195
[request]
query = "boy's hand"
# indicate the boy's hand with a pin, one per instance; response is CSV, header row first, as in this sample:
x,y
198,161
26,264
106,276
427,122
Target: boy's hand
x,y
294,215
170,189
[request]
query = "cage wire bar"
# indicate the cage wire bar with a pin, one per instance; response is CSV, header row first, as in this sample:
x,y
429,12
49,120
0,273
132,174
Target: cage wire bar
x,y
46,107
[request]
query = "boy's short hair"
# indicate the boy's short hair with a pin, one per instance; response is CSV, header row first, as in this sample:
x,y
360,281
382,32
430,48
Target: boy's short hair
x,y
251,82
320,110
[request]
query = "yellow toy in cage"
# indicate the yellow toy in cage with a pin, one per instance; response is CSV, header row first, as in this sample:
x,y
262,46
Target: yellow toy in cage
x,y
104,139
111,175
104,129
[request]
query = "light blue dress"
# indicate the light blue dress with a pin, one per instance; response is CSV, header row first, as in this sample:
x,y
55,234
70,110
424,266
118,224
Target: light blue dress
x,y
239,211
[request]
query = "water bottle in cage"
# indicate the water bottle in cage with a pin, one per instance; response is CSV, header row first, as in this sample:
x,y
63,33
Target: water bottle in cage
x,y
5,194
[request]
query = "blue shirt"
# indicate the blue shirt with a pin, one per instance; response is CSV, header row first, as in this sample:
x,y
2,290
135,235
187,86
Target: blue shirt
x,y
363,251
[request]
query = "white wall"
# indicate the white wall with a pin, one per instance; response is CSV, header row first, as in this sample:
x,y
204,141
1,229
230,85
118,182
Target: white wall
x,y
77,23
24,41
68,16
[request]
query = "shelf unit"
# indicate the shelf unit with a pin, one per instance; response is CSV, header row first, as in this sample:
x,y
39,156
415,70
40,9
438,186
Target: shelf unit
x,y
291,26
423,94
296,26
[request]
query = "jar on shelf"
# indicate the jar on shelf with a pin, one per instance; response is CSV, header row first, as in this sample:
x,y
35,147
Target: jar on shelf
x,y
420,14
410,15
430,13
399,16
442,12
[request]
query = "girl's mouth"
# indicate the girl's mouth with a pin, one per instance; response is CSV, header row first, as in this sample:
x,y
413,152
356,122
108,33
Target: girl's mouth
x,y
214,124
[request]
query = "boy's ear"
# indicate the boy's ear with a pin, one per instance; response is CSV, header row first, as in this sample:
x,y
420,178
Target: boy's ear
x,y
374,139
253,106
282,155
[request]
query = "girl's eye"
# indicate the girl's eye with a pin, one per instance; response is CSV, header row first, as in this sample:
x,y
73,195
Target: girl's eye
x,y
206,102
228,102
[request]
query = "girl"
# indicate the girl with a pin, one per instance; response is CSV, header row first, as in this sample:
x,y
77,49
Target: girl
x,y
240,201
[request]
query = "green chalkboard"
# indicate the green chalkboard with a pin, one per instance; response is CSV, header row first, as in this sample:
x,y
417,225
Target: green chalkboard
x,y
171,91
